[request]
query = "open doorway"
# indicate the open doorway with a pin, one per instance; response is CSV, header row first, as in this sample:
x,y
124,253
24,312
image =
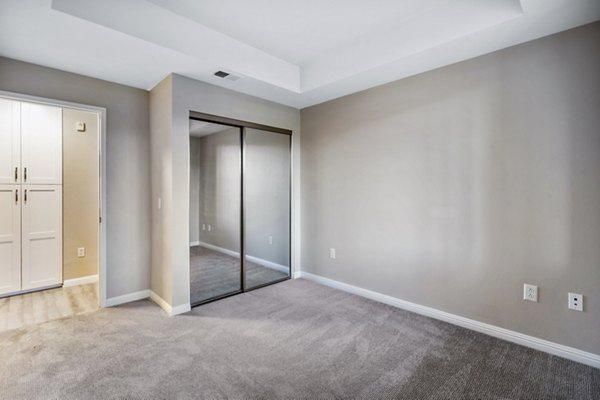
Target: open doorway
x,y
50,210
240,185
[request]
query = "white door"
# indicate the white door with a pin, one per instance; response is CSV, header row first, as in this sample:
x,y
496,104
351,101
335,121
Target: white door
x,y
10,238
41,236
41,144
10,141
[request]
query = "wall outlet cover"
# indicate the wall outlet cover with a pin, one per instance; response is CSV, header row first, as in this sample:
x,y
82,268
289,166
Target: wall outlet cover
x,y
81,252
575,302
530,292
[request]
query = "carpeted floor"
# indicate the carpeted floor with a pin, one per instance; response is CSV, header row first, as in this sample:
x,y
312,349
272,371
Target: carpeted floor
x,y
292,340
214,274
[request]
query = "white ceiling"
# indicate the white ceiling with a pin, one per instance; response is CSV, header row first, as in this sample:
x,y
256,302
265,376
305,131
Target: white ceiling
x,y
201,128
298,53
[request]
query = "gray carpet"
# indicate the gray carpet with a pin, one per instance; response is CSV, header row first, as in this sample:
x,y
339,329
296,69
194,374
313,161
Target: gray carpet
x,y
292,340
214,274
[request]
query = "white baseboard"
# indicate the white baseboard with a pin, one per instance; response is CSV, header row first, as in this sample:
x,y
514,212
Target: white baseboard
x,y
84,280
297,274
127,298
268,264
196,243
253,259
556,349
170,310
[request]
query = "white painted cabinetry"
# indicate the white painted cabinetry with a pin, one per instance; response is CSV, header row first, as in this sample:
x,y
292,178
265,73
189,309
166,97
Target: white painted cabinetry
x,y
10,141
41,144
30,196
10,238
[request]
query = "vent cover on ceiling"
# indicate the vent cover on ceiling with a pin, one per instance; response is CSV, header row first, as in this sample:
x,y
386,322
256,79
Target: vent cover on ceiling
x,y
226,75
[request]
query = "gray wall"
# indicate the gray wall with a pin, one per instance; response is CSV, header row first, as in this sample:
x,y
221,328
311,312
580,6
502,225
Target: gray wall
x,y
454,187
267,183
194,189
128,161
218,200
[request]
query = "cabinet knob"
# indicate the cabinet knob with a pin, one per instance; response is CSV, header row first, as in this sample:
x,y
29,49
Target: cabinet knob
x,y
25,174
17,196
16,174
25,197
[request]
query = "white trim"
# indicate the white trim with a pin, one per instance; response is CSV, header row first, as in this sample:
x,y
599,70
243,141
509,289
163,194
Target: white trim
x,y
170,310
556,349
102,292
297,275
253,259
219,249
196,243
84,280
269,264
127,298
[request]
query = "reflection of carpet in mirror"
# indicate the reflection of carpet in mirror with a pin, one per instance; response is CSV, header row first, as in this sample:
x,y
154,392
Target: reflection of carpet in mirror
x,y
214,274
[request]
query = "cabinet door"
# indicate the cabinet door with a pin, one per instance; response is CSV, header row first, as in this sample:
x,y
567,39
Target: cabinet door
x,y
10,141
42,236
41,144
10,238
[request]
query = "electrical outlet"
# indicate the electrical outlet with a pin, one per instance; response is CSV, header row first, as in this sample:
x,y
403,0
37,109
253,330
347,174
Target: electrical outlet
x,y
203,227
575,302
81,252
332,253
530,292
270,239
209,228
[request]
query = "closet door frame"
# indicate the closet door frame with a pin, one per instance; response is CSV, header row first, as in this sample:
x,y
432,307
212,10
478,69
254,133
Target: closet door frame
x,y
243,125
101,111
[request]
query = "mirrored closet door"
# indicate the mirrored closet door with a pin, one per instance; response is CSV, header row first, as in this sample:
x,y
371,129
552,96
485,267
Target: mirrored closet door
x,y
239,207
267,207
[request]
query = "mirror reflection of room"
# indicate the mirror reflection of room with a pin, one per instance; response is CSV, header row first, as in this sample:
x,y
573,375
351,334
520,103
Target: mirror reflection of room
x,y
215,207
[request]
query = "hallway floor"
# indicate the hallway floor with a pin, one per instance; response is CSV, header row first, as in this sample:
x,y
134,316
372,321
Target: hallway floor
x,y
46,305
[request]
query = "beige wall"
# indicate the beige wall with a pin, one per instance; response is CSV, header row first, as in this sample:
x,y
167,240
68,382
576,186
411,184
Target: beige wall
x,y
127,160
454,187
80,193
161,275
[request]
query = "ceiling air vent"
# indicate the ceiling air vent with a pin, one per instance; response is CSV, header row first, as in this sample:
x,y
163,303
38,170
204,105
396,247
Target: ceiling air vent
x,y
226,75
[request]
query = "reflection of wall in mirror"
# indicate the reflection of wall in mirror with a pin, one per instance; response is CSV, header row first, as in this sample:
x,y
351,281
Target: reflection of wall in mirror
x,y
215,193
215,189
267,196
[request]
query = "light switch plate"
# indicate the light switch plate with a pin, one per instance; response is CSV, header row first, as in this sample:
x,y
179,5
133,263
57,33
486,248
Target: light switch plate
x,y
80,126
81,252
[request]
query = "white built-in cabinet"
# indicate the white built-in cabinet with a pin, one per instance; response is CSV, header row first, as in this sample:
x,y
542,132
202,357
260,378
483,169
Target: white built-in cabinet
x,y
30,196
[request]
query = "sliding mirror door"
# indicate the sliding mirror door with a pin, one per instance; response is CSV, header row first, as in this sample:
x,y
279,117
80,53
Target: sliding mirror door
x,y
215,211
266,207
